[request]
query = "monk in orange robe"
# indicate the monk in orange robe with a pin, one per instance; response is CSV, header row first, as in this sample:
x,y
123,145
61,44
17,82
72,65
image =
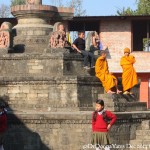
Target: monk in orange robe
x,y
129,76
108,80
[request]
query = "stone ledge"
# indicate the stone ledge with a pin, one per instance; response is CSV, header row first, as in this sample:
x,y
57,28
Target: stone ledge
x,y
42,7
25,56
48,80
42,11
72,117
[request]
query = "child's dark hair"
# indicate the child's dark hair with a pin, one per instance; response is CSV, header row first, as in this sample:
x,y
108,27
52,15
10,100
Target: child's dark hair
x,y
81,31
101,102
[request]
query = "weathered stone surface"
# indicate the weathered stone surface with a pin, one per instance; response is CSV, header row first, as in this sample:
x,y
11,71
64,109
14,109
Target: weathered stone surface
x,y
46,89
51,93
142,136
71,130
48,64
145,125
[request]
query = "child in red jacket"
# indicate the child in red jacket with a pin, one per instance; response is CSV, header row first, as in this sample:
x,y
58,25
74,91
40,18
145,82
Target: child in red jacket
x,y
3,125
100,125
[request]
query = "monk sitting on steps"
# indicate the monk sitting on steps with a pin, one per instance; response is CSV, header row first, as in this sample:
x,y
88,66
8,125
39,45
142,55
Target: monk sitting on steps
x,y
108,80
129,76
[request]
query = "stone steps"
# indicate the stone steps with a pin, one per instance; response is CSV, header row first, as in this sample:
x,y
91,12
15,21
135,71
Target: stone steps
x,y
122,103
145,125
118,103
139,144
122,107
142,140
118,97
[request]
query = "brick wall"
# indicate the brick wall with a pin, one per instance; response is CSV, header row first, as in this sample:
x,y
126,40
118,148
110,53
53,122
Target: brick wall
x,y
117,35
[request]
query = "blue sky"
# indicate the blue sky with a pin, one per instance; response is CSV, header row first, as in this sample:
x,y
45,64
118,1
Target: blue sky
x,y
96,7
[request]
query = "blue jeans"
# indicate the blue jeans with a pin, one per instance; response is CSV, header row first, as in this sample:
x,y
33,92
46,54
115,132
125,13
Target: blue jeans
x,y
88,56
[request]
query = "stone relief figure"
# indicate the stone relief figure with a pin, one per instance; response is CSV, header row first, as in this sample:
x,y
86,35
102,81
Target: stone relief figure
x,y
58,36
93,42
90,38
5,35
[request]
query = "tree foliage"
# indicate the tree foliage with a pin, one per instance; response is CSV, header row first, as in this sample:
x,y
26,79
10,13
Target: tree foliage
x,y
76,4
143,8
4,11
17,2
125,12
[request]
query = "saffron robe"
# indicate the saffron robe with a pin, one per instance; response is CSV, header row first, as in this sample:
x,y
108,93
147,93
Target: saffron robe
x,y
102,72
129,76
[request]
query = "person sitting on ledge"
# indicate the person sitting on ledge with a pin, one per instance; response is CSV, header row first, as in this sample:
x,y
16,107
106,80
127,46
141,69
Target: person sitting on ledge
x,y
129,76
79,46
109,81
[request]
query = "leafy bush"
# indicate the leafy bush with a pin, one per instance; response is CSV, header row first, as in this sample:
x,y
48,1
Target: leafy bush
x,y
17,2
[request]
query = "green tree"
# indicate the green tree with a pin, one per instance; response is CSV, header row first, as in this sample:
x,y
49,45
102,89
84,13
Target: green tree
x,y
125,12
143,8
76,4
17,2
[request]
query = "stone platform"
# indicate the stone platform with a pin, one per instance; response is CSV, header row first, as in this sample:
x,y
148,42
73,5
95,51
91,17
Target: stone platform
x,y
51,99
43,130
57,82
43,65
124,103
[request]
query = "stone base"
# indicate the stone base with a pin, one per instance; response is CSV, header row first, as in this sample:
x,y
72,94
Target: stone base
x,y
51,94
55,81
45,65
36,130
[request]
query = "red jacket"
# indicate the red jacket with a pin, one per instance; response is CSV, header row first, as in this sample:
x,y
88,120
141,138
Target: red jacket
x,y
3,122
100,125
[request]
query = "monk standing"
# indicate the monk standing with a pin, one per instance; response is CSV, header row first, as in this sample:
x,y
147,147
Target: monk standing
x,y
108,80
129,76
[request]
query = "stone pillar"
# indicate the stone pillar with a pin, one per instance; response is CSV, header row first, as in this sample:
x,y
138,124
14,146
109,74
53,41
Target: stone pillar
x,y
32,30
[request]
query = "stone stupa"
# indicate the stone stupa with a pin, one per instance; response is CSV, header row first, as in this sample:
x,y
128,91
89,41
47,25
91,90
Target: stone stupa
x,y
34,24
50,96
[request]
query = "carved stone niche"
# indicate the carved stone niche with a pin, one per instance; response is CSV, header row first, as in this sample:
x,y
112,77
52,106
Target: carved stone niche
x,y
58,36
35,2
6,36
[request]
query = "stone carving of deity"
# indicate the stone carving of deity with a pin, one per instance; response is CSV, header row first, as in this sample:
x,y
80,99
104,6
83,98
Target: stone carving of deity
x,y
58,37
5,31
